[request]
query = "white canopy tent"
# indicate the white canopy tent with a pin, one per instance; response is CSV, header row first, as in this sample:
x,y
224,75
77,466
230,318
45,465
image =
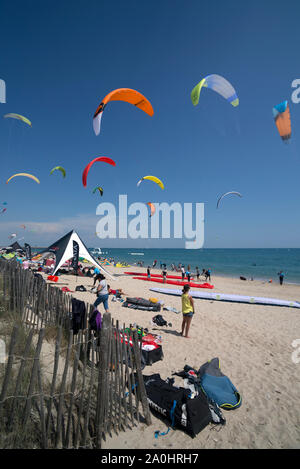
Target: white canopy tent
x,y
63,250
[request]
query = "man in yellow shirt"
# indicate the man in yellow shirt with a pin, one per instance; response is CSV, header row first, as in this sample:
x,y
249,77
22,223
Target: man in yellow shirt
x,y
188,311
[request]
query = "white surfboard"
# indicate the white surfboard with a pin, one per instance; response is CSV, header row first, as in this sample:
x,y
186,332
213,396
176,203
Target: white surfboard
x,y
204,295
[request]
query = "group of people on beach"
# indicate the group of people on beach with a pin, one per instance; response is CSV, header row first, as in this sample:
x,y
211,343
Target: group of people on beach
x,y
188,307
206,273
187,302
103,290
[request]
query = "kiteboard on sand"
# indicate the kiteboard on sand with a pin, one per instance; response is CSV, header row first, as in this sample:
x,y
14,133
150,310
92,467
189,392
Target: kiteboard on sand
x,y
232,298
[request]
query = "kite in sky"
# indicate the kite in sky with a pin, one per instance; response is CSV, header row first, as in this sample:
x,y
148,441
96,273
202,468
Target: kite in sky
x,y
152,178
59,168
121,94
31,176
282,117
152,208
219,85
225,194
88,167
19,117
98,188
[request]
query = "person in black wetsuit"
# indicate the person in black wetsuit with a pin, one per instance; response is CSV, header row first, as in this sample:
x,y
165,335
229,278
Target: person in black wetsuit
x,y
281,276
164,274
207,275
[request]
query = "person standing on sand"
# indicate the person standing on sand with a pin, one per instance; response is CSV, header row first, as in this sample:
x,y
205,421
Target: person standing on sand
x,y
207,274
164,274
281,275
148,273
182,273
187,311
188,275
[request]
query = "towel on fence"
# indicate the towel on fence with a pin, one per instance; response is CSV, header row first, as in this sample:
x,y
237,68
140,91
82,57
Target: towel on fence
x,y
78,315
95,320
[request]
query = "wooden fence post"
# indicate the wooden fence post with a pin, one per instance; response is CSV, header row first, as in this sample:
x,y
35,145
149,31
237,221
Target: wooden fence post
x,y
58,439
90,394
102,376
54,376
140,379
33,376
8,368
73,387
84,371
127,375
42,407
19,379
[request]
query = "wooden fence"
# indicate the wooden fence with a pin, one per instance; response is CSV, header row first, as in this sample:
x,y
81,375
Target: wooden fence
x,y
38,303
75,393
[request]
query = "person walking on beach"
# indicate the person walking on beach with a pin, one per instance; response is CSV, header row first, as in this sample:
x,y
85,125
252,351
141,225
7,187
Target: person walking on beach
x,y
188,311
207,274
182,272
281,275
102,293
148,273
164,274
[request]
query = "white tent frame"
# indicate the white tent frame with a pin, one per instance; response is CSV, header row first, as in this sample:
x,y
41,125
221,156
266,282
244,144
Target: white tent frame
x,y
83,252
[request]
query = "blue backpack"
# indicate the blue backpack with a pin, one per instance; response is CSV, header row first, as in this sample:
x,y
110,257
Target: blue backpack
x,y
218,387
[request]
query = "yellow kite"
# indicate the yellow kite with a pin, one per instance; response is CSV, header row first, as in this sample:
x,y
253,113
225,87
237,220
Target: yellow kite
x,y
19,117
31,176
152,178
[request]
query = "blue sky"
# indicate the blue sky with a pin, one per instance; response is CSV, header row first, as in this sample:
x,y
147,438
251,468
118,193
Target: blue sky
x,y
59,59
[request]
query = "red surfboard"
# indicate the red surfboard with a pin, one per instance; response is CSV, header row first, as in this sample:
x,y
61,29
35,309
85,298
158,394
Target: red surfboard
x,y
173,282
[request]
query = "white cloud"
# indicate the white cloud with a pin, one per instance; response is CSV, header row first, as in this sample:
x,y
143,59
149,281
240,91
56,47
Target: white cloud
x,y
48,231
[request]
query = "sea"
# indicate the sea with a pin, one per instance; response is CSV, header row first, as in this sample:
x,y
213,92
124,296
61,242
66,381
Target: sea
x,y
259,264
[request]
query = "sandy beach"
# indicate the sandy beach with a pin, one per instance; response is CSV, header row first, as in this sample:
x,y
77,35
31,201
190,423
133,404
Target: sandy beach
x,y
254,345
